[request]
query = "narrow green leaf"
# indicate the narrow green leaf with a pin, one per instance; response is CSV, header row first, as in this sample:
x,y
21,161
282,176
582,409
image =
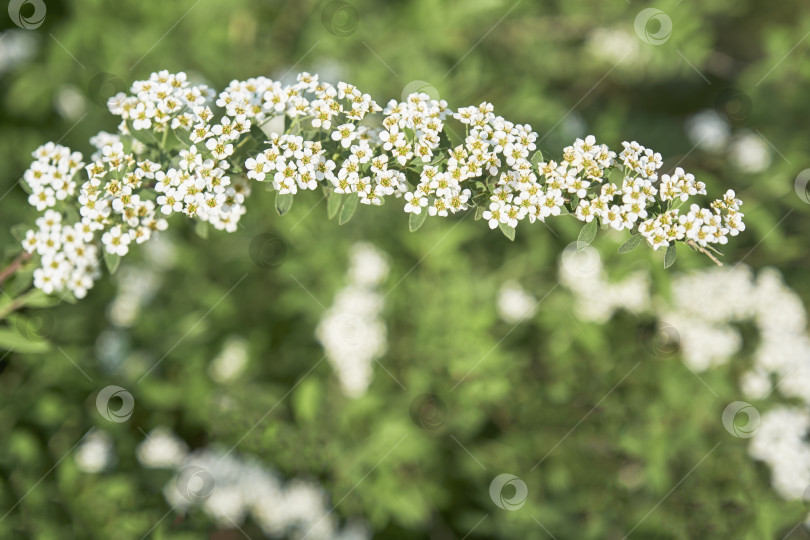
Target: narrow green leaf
x,y
284,202
143,135
479,212
201,228
11,339
507,231
632,243
333,204
39,299
348,208
671,254
537,158
112,261
18,231
415,221
20,282
587,234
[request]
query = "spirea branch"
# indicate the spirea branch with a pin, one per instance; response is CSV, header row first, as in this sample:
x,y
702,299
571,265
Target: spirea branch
x,y
182,148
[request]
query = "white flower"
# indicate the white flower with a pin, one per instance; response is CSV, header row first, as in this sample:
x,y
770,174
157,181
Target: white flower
x,y
116,241
414,203
95,453
345,133
161,449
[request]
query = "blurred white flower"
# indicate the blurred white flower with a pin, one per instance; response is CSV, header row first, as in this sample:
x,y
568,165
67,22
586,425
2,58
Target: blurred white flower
x,y
136,286
95,453
351,331
582,272
161,449
515,304
708,131
614,45
749,152
780,442
368,267
228,488
70,102
705,309
16,47
231,361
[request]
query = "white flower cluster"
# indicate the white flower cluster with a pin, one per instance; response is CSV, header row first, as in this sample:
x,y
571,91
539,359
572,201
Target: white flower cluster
x,y
199,186
229,489
173,153
351,331
700,225
50,176
68,258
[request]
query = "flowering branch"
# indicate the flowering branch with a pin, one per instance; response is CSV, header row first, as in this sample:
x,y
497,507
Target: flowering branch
x,y
173,153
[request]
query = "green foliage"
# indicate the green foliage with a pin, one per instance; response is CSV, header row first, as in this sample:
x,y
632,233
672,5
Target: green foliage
x,y
284,202
613,427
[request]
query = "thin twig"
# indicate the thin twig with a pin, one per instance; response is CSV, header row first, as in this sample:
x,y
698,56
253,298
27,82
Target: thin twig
x,y
9,270
693,245
16,304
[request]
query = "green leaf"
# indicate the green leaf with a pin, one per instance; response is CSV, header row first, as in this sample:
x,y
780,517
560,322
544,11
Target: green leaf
x,y
307,400
112,261
348,208
507,231
632,243
587,234
284,202
38,299
21,281
201,228
537,158
18,231
479,212
333,204
12,339
415,221
671,254
24,185
143,135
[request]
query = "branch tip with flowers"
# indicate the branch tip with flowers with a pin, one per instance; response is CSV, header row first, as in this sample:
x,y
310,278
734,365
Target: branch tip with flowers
x,y
182,148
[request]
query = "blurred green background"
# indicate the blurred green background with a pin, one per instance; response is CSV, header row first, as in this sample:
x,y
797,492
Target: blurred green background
x,y
568,69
